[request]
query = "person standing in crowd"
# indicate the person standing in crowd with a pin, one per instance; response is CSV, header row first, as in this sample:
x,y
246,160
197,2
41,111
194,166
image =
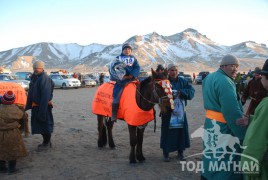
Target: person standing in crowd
x,y
255,91
176,139
238,83
39,99
256,139
194,76
101,78
11,143
127,63
160,68
223,107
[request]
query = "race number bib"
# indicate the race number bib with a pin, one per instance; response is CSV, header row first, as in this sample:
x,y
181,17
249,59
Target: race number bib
x,y
128,60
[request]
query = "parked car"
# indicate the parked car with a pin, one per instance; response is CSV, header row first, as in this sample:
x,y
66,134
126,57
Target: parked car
x,y
24,75
201,76
65,81
143,75
10,78
88,81
93,77
188,77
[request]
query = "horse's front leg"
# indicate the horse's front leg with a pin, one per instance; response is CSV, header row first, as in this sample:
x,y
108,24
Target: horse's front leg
x,y
133,143
139,154
102,139
110,125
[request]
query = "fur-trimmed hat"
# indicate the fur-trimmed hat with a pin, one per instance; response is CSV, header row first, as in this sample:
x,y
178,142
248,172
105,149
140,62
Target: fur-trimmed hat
x,y
257,70
39,64
160,67
229,59
171,66
8,98
126,45
264,70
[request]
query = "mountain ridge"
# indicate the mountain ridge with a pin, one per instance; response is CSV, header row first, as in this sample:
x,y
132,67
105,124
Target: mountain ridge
x,y
187,48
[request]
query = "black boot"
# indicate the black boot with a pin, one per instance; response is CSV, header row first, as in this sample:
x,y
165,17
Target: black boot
x,y
46,142
166,156
114,112
12,167
3,168
180,155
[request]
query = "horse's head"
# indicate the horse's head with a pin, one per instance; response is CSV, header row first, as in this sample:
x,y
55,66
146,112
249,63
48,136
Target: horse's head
x,y
162,90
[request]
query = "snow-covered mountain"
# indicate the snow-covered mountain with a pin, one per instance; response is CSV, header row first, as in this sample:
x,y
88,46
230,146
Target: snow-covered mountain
x,y
190,49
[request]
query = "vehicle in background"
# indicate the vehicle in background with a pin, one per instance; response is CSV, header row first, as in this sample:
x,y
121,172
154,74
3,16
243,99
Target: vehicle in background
x,y
143,75
65,81
87,81
188,77
93,77
201,76
10,78
24,75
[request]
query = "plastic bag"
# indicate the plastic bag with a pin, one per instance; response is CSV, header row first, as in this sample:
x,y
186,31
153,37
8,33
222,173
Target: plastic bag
x,y
177,116
117,70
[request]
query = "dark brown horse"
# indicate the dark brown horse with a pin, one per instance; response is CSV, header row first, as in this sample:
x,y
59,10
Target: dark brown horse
x,y
148,93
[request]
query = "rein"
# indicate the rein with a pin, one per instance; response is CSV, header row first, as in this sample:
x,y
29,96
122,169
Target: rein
x,y
155,94
144,97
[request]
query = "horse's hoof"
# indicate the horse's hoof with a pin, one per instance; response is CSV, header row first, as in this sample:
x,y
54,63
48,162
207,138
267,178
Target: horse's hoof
x,y
112,148
141,159
132,161
100,144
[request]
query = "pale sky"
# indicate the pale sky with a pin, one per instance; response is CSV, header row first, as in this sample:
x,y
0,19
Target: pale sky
x,y
227,22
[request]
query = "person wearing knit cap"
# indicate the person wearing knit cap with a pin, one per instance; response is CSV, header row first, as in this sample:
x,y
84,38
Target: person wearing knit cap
x,y
39,100
160,68
39,65
123,69
255,91
223,107
8,98
176,138
11,143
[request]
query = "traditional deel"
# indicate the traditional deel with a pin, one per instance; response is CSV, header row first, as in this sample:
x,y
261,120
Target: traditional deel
x,y
168,90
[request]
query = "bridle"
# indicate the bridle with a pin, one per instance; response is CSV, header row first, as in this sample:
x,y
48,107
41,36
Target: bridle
x,y
155,94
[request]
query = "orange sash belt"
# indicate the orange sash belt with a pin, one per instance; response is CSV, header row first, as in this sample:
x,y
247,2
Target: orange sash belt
x,y
34,104
218,116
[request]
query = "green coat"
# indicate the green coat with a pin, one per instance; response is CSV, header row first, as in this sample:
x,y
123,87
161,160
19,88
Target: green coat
x,y
219,94
256,141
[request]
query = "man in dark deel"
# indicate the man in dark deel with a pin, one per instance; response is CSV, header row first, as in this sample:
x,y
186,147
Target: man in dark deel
x,y
39,99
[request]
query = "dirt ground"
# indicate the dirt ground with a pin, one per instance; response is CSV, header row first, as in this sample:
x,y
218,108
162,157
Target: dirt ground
x,y
75,154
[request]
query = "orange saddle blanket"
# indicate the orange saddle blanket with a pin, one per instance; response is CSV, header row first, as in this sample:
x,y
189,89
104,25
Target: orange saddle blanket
x,y
128,108
19,92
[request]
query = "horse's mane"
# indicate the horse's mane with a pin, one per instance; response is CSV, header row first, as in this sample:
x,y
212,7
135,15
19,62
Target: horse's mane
x,y
146,81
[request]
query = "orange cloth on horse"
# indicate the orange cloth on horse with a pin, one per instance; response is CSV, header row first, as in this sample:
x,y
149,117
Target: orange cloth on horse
x,y
218,116
128,108
17,89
